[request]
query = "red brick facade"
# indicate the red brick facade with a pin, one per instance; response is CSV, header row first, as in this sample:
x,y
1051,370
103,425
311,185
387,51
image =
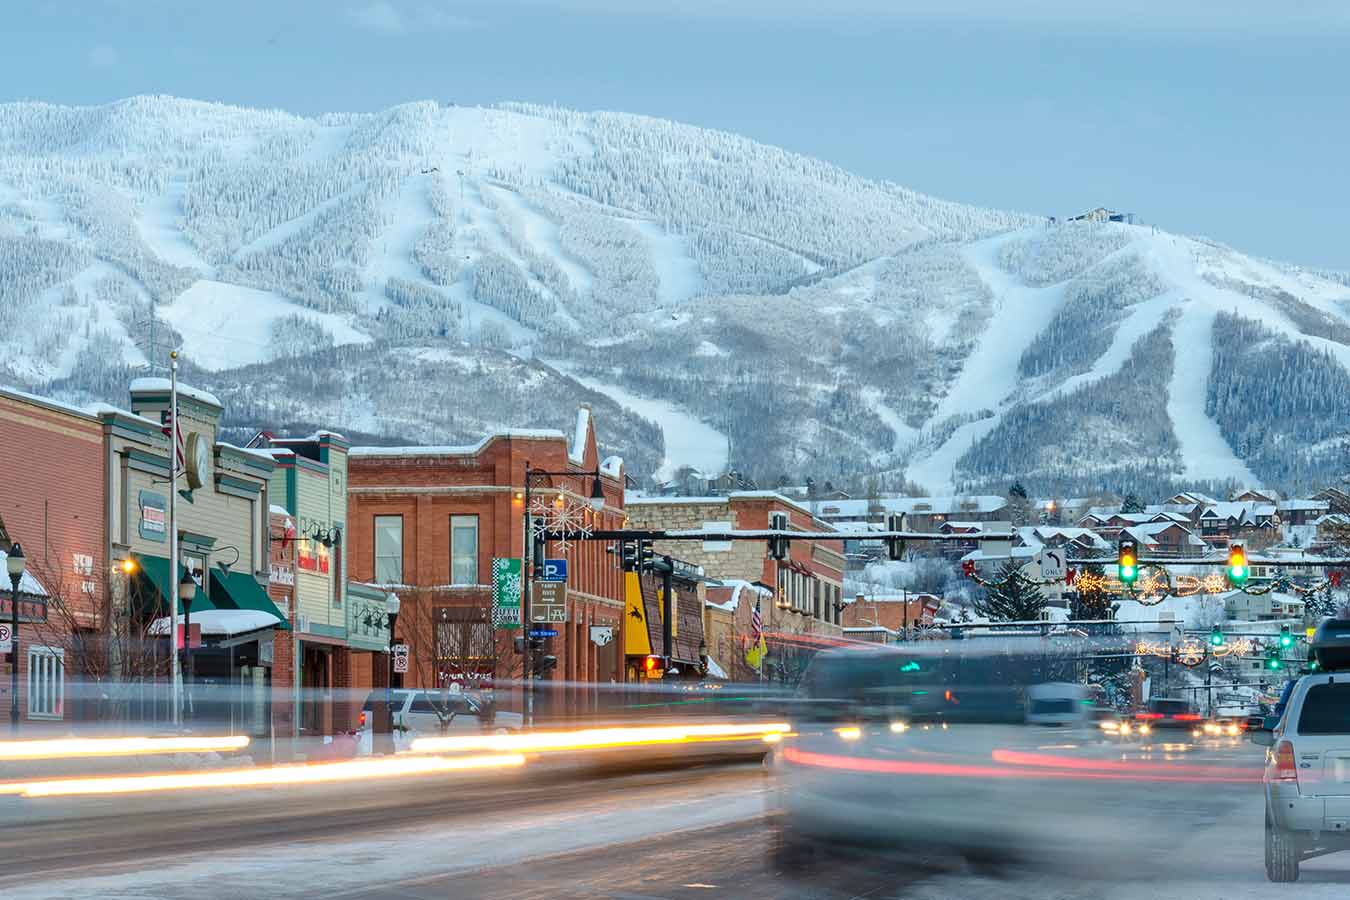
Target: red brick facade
x,y
52,502
425,488
281,588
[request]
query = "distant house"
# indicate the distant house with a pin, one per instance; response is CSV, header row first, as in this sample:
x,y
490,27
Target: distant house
x,y
1102,214
1253,495
1165,539
1302,512
1338,499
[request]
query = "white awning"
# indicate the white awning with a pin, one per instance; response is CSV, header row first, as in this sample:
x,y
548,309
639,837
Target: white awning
x,y
223,622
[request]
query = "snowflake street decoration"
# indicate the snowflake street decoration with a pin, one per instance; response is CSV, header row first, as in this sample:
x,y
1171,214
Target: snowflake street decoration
x,y
570,520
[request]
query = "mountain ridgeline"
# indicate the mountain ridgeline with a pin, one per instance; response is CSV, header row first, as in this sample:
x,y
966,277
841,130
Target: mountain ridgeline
x,y
405,274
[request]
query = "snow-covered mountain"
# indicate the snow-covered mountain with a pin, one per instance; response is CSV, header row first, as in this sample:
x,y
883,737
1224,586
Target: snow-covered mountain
x,y
426,272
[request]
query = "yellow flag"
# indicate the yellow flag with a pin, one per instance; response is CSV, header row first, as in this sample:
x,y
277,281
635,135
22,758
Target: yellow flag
x,y
755,655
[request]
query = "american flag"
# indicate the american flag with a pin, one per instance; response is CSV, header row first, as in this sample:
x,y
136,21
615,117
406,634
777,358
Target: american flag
x,y
178,421
756,626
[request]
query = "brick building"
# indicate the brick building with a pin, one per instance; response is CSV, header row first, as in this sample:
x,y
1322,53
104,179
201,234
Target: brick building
x,y
52,503
341,626
804,607
426,523
893,612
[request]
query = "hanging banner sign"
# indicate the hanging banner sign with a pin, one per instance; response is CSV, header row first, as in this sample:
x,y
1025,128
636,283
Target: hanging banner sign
x,y
507,581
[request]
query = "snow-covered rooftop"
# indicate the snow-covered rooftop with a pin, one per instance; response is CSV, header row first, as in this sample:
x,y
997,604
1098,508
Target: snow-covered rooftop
x,y
1296,505
529,434
155,385
83,412
936,506
261,455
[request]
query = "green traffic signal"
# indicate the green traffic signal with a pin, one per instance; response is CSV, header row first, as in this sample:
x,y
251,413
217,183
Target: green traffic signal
x,y
1274,663
1286,638
1216,638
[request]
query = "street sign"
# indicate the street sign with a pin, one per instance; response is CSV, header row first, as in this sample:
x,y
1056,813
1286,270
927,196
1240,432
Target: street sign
x,y
400,652
6,639
543,632
554,570
549,603
1052,564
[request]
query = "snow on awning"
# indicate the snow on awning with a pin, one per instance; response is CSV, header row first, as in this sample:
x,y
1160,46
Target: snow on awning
x,y
715,670
223,622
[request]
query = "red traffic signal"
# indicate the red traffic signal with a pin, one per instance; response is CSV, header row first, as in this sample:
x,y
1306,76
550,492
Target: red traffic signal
x,y
653,666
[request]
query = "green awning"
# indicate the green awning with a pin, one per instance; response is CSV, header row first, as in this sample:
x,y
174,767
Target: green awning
x,y
239,590
154,571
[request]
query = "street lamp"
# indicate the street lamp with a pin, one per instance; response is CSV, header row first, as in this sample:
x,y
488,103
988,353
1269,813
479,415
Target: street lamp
x,y
534,552
14,563
187,591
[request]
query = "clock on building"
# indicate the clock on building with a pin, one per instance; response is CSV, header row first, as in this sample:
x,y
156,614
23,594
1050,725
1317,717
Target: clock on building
x,y
197,460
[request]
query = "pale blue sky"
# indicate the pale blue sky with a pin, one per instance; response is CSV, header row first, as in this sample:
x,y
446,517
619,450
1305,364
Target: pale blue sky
x,y
1225,118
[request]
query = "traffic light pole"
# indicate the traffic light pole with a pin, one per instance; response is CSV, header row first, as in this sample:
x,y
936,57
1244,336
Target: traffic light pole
x,y
667,611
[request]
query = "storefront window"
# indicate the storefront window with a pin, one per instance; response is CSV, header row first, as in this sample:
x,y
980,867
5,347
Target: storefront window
x,y
389,549
463,549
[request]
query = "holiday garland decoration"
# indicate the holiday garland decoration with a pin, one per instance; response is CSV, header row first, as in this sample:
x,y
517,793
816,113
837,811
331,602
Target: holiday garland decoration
x,y
1158,586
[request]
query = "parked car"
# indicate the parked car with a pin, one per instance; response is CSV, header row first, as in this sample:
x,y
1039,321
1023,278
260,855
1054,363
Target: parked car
x,y
415,714
1307,774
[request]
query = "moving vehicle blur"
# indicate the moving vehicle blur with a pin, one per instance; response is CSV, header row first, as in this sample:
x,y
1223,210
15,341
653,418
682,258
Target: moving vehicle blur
x,y
929,750
1058,703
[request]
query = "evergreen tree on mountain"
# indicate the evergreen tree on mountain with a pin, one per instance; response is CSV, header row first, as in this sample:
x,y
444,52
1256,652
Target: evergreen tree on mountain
x,y
1131,504
1019,505
1012,597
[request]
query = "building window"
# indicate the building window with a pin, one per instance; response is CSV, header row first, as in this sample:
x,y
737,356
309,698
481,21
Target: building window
x,y
46,682
389,549
463,549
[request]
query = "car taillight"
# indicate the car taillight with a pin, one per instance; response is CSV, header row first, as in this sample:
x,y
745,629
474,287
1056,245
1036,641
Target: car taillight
x,y
1148,715
1188,717
1285,767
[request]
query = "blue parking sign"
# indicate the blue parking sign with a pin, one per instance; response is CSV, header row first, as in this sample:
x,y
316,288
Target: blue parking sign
x,y
554,570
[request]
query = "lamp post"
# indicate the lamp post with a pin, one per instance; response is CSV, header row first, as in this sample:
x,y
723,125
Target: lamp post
x,y
533,551
14,563
187,592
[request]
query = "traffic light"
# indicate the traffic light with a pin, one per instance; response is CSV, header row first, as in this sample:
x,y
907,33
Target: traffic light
x,y
653,666
895,547
1216,638
628,551
1238,570
645,555
1273,661
1127,563
1286,638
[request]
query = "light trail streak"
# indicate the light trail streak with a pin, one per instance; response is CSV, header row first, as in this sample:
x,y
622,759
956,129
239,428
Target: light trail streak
x,y
72,748
354,770
597,738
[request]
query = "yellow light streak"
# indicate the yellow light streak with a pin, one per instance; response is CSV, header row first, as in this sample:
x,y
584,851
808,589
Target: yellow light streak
x,y
69,748
354,770
595,738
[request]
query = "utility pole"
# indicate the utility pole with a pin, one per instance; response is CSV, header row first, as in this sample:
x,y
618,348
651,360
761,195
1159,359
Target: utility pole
x,y
174,665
